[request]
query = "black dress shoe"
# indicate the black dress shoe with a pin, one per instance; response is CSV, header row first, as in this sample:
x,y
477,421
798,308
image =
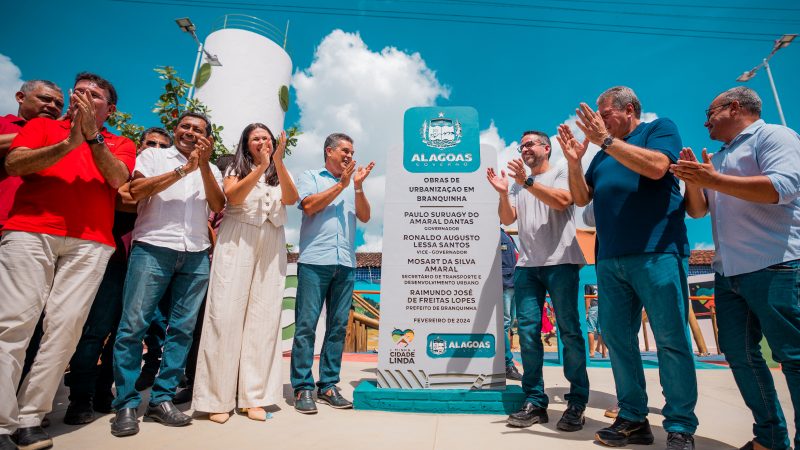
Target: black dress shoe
x,y
145,380
183,396
528,415
102,403
573,419
125,423
304,402
512,373
333,398
79,412
168,414
33,438
623,432
680,441
6,443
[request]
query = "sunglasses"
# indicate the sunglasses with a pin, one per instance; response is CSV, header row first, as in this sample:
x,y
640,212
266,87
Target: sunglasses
x,y
154,144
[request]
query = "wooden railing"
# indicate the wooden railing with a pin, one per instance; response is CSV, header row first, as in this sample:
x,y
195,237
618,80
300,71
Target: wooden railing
x,y
358,325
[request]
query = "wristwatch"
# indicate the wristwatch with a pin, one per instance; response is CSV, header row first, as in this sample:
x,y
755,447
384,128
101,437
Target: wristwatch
x,y
179,170
98,139
607,142
529,182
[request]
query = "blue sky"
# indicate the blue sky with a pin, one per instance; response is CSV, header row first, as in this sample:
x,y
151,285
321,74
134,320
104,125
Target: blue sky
x,y
522,67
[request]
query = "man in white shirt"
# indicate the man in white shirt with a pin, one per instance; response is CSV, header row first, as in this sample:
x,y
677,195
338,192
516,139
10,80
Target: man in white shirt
x,y
549,261
176,188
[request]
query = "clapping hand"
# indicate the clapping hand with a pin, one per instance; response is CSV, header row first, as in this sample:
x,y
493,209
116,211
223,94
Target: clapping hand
x,y
499,183
85,113
573,149
281,150
347,172
693,172
75,134
516,170
362,173
591,123
263,155
203,147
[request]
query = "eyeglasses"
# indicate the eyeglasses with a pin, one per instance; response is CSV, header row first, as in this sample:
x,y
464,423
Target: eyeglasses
x,y
154,144
710,111
530,145
94,95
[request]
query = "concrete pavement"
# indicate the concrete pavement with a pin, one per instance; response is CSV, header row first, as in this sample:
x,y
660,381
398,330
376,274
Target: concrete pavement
x,y
725,422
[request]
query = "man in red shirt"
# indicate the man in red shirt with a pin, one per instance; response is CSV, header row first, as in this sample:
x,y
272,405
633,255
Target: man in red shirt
x,y
55,247
36,98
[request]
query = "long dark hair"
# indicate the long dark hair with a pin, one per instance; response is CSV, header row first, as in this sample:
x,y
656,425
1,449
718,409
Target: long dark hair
x,y
243,161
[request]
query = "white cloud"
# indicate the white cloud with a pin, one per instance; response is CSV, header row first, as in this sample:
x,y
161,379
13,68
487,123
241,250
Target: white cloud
x,y
372,243
10,82
703,246
352,89
505,152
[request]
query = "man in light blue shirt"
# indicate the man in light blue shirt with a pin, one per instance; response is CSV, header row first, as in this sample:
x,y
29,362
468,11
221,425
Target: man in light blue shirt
x,y
326,269
752,188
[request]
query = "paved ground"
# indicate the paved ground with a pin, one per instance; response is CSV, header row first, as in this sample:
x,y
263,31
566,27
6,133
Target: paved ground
x,y
724,422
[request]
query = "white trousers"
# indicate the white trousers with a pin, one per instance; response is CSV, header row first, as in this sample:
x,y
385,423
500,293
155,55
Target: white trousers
x,y
59,275
240,356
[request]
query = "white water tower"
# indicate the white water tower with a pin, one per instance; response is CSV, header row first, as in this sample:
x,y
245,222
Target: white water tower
x,y
245,75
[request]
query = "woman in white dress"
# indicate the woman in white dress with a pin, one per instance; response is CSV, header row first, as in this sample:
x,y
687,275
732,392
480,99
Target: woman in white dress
x,y
239,363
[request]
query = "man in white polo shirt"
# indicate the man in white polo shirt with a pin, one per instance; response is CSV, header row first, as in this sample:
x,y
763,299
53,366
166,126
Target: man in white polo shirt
x,y
176,188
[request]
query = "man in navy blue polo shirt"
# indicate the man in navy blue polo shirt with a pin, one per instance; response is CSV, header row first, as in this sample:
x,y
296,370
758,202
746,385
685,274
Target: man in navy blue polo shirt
x,y
642,259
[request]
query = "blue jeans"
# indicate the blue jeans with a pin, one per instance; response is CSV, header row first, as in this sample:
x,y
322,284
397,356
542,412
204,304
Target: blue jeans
x,y
749,306
509,314
82,378
591,320
531,285
656,281
151,270
331,285
156,333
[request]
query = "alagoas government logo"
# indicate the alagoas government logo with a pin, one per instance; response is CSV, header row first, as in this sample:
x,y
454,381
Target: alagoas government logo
x,y
446,141
441,132
454,345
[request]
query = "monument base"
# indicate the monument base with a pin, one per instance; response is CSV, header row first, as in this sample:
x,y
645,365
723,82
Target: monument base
x,y
368,396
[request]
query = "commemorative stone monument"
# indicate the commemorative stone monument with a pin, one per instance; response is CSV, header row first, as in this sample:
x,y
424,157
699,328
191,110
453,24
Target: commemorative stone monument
x,y
441,314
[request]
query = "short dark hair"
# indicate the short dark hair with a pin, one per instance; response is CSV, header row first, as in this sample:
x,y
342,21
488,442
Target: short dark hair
x,y
542,136
30,85
196,115
333,141
100,81
157,130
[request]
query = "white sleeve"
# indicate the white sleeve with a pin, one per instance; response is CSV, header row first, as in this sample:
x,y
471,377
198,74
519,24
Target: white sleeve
x,y
146,163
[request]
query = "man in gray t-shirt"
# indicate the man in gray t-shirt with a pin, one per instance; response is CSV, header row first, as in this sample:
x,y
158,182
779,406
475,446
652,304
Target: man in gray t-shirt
x,y
549,261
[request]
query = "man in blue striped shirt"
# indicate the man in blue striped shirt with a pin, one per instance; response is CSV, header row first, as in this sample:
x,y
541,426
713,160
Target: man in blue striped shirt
x,y
752,188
